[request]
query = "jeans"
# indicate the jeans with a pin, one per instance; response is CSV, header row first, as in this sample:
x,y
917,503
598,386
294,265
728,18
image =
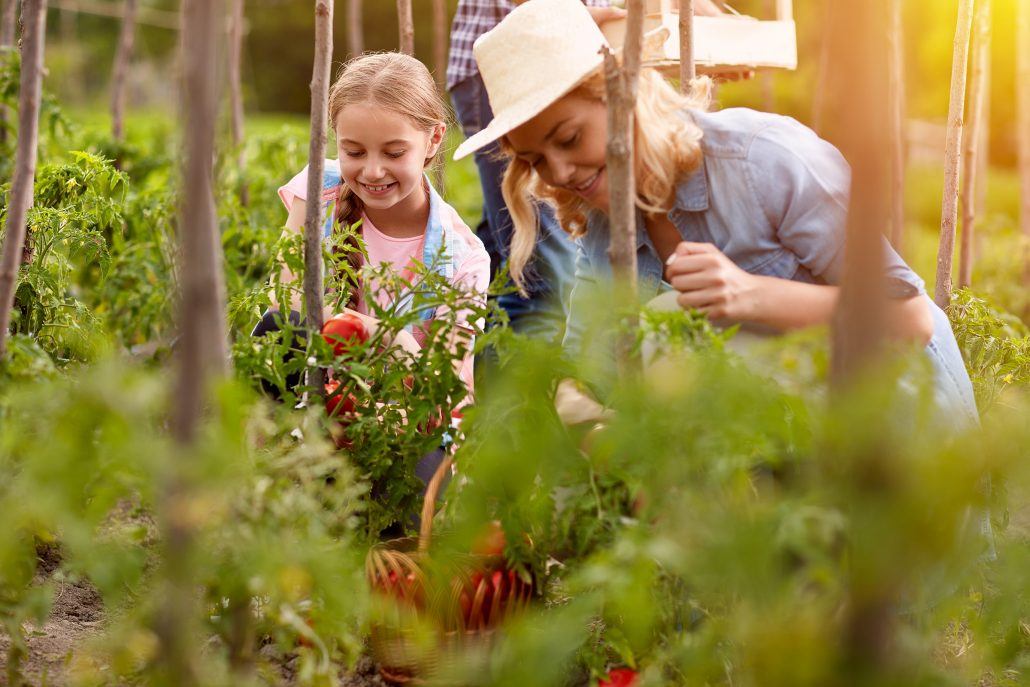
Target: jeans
x,y
542,314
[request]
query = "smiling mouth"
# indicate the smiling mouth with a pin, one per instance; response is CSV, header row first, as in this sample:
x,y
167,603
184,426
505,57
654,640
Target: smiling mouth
x,y
588,185
379,188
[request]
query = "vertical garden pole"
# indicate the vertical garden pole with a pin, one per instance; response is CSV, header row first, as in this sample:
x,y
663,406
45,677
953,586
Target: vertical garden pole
x,y
236,26
896,35
822,77
953,154
1023,116
20,198
440,71
687,69
8,20
858,323
313,218
120,72
440,42
621,86
355,32
974,138
202,351
406,27
859,59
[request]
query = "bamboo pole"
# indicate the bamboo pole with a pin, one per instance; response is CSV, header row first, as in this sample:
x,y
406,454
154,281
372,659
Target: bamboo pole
x,y
313,218
621,86
1023,117
953,154
688,71
406,27
897,124
974,137
21,194
202,354
120,72
355,32
236,93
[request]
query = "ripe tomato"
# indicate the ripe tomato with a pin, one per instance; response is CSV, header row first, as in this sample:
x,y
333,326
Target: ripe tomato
x,y
619,677
337,404
342,331
491,541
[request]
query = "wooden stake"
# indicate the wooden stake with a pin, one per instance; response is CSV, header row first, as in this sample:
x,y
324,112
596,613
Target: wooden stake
x,y
859,49
21,194
355,34
314,283
8,22
897,124
440,43
406,27
953,154
120,72
236,24
974,137
688,72
202,355
1023,117
822,77
621,86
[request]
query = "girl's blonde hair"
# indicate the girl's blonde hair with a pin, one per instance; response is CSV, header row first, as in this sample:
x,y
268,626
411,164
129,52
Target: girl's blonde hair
x,y
667,146
393,81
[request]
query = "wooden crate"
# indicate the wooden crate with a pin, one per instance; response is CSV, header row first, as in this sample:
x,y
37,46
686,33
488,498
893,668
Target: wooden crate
x,y
726,45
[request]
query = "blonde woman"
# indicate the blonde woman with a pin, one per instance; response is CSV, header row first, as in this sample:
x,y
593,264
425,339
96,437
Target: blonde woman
x,y
742,213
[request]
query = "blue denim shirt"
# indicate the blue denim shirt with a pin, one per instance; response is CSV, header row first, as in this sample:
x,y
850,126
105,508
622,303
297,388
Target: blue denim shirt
x,y
773,197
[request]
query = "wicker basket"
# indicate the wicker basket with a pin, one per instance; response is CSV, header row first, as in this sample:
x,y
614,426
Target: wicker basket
x,y
432,612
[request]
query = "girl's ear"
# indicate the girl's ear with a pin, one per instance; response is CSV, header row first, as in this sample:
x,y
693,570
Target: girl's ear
x,y
436,139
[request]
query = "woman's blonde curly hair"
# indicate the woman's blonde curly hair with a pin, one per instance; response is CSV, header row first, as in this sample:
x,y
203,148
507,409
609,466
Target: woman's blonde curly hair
x,y
667,146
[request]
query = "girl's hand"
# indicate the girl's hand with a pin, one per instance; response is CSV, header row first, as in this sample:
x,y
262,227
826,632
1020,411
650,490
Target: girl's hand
x,y
711,283
603,14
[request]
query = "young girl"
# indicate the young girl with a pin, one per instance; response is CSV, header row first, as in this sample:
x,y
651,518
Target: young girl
x,y
741,212
389,122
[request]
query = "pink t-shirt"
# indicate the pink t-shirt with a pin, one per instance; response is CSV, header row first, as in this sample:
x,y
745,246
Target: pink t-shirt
x,y
473,274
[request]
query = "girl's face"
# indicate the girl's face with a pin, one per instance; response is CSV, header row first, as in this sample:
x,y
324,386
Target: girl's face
x,y
565,144
383,154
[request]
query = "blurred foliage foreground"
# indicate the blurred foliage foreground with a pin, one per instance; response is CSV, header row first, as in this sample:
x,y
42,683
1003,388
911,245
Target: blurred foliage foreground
x,y
730,524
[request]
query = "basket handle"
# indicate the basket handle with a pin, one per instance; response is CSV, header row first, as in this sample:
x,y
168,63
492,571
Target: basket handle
x,y
429,506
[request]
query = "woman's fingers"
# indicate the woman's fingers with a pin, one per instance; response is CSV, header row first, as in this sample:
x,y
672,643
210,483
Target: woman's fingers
x,y
688,264
692,281
700,299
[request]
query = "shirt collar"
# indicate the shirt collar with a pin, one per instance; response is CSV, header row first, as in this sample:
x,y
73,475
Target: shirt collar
x,y
692,192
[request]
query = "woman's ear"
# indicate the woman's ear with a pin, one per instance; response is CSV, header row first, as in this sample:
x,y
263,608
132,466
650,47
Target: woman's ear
x,y
436,139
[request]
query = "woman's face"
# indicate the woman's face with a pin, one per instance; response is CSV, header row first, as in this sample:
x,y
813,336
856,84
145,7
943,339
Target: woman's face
x,y
382,154
565,144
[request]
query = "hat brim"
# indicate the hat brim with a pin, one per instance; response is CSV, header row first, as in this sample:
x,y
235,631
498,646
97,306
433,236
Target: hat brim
x,y
510,120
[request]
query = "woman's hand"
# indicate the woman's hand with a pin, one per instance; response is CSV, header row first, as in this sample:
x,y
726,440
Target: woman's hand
x,y
711,283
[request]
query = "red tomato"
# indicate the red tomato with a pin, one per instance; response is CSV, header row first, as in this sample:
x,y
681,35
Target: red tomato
x,y
341,331
491,541
337,404
619,677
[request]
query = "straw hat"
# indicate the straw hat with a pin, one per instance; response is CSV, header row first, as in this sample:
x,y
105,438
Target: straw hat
x,y
537,54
